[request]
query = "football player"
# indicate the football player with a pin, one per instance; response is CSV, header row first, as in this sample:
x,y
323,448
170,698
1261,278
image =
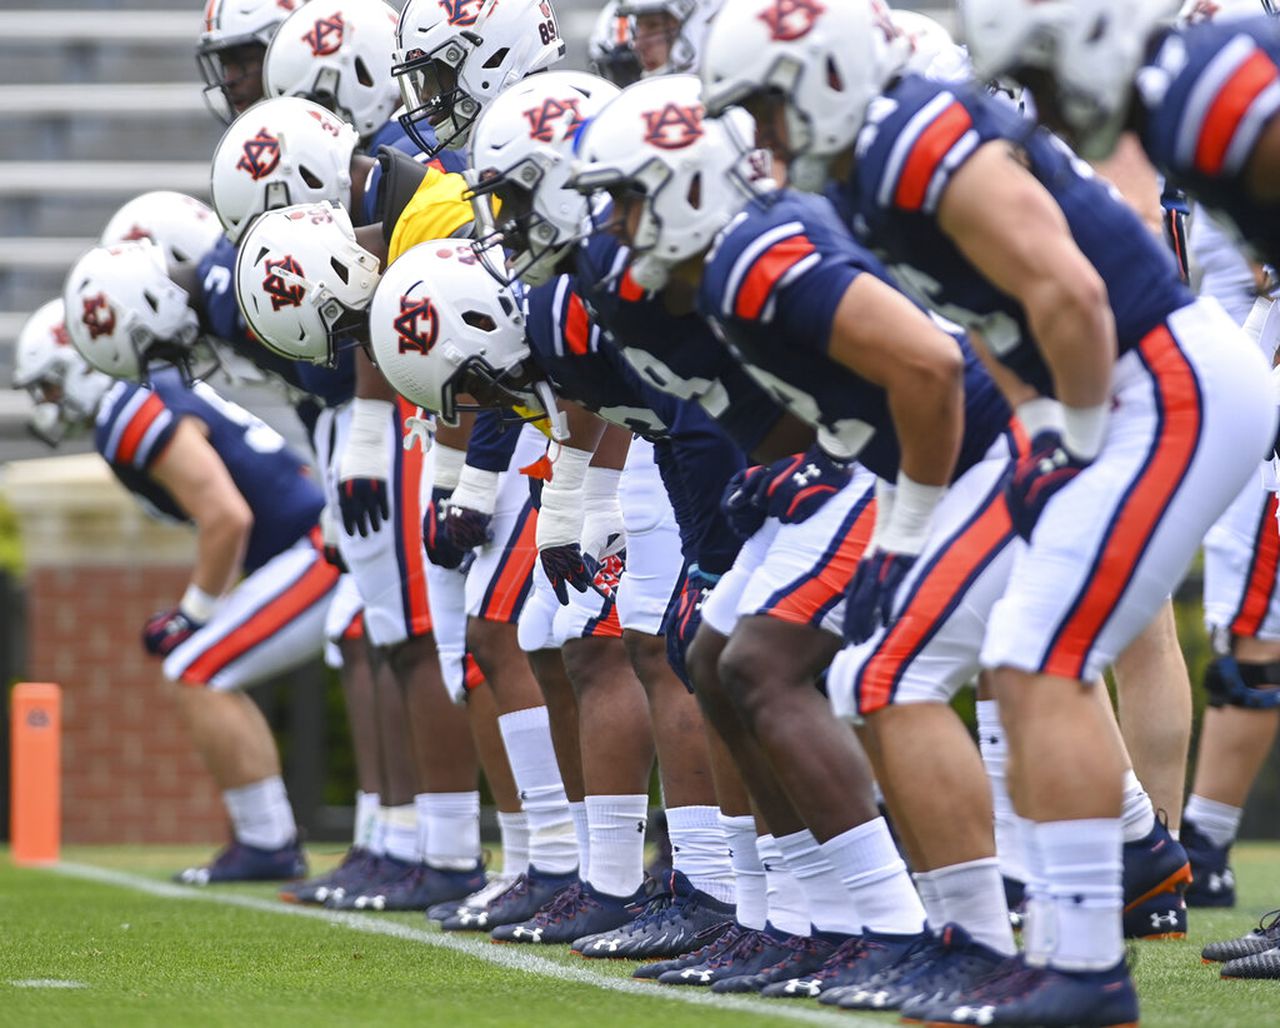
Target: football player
x,y
231,50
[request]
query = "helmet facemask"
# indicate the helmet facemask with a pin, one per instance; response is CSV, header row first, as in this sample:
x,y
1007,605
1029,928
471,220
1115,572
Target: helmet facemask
x,y
431,91
227,96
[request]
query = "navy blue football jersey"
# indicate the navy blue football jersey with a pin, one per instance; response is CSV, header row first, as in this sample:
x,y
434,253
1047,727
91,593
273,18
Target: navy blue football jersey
x,y
676,354
917,135
771,287
135,423
1205,96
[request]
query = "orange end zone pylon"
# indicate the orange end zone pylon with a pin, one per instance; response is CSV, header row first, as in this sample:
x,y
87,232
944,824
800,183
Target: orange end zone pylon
x,y
35,820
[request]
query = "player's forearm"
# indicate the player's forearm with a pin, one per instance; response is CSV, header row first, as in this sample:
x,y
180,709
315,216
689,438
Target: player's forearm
x,y
370,383
222,534
1073,325
612,448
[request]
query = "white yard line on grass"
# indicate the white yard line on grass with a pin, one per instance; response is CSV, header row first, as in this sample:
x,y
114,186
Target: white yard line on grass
x,y
518,958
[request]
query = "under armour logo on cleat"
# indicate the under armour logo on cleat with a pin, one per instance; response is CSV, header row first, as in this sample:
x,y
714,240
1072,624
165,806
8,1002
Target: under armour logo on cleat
x,y
1169,920
532,934
693,974
974,1015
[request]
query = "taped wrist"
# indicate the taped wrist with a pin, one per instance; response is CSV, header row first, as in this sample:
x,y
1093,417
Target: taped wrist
x,y
367,453
1040,415
447,468
560,519
602,525
476,490
197,604
910,517
1232,683
1084,429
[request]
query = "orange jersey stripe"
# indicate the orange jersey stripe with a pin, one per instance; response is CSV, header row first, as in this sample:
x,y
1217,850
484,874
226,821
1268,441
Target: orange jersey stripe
x,y
131,438
1262,575
513,573
628,289
1229,108
929,150
931,601
1137,519
313,586
802,604
769,267
577,329
410,509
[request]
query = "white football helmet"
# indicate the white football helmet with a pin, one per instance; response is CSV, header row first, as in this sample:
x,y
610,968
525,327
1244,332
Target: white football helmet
x,y
1196,11
521,150
303,283
928,39
282,151
65,390
681,48
183,227
337,53
824,61
440,326
1091,49
694,172
454,56
229,25
124,312
611,50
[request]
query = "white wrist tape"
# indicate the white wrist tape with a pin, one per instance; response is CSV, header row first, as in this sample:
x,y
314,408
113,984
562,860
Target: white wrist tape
x,y
907,529
560,519
197,604
603,518
476,490
368,450
1084,429
1040,415
329,524
448,467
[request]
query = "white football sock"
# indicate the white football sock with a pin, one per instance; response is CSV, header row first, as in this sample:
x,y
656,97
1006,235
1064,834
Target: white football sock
x,y
451,836
1217,822
260,814
972,895
788,906
873,872
617,826
1082,866
1037,935
366,818
378,833
1137,816
831,907
582,830
514,832
699,850
934,911
750,892
527,737
995,758
402,833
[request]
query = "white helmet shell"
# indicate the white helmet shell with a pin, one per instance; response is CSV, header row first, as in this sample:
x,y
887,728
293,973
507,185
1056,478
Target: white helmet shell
x,y
337,53
124,312
183,227
929,40
438,317
1194,12
281,151
229,24
522,146
64,389
828,60
454,56
302,280
695,172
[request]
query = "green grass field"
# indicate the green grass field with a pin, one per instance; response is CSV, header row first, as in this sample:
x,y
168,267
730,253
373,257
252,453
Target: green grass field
x,y
105,940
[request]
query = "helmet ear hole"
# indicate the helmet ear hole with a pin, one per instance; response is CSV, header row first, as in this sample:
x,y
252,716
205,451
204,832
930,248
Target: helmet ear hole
x,y
152,301
834,80
496,60
694,195
479,320
339,269
310,178
362,73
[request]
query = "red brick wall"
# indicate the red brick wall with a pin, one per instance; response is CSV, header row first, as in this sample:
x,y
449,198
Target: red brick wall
x,y
129,772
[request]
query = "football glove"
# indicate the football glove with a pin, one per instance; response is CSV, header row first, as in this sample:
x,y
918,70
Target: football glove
x,y
441,550
1036,477
683,620
564,565
166,630
869,601
796,487
739,503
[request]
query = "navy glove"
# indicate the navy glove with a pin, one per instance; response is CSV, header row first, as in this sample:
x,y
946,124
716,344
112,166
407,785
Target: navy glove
x,y
166,630
364,505
740,503
565,565
467,528
441,550
683,620
869,601
1036,477
796,487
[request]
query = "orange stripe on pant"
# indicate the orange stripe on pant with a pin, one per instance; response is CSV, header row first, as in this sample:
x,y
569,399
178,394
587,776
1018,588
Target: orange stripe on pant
x,y
1262,574
416,608
1136,521
931,602
511,580
315,583
823,589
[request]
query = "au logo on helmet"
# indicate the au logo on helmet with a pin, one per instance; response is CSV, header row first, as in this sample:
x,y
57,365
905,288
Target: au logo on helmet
x,y
462,12
283,293
261,155
325,36
552,115
137,232
674,126
99,316
417,326
789,20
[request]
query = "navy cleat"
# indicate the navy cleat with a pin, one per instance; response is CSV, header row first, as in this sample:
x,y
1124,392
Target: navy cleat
x,y
422,887
669,925
1266,936
708,944
494,886
523,897
878,954
1213,883
1156,873
807,955
315,890
750,953
383,872
574,912
1020,995
239,862
948,962
1257,965
838,969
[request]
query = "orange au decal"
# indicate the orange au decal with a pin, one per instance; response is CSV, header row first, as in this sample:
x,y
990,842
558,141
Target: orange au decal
x,y
325,36
99,316
282,293
552,115
261,155
791,19
417,326
673,127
